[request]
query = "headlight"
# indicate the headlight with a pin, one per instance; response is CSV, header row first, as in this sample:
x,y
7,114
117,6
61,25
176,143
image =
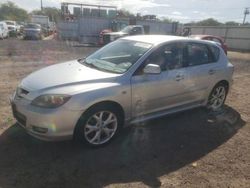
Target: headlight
x,y
50,101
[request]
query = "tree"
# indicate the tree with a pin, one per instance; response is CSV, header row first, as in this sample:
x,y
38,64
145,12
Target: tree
x,y
53,13
167,20
209,22
125,13
232,23
10,11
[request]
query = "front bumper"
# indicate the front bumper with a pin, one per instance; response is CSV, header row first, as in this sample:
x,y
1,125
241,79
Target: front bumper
x,y
58,123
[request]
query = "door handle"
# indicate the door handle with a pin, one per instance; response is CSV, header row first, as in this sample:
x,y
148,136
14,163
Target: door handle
x,y
211,71
179,77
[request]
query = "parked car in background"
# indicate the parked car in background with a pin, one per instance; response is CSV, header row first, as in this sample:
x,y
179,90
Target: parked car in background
x,y
12,27
129,30
132,79
216,39
32,31
101,41
4,32
20,27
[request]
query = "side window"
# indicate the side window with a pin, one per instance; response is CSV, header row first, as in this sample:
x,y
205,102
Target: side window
x,y
215,53
136,30
168,57
198,54
174,56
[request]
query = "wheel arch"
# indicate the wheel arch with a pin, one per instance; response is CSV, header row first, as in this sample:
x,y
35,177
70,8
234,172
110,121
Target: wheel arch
x,y
114,104
224,82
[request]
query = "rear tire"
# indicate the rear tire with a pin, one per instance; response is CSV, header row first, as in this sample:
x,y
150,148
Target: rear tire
x,y
217,97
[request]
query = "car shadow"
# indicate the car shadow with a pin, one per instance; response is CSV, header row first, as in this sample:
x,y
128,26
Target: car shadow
x,y
142,153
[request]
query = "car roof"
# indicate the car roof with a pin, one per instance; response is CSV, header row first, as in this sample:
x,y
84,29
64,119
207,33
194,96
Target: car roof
x,y
204,36
159,39
9,21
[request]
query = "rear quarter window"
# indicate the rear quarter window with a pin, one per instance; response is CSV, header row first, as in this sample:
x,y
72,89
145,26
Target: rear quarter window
x,y
198,54
215,53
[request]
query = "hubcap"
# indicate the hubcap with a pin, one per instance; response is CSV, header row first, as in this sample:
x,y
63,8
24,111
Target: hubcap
x,y
217,98
100,127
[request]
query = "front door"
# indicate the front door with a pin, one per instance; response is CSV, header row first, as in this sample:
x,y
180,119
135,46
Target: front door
x,y
157,92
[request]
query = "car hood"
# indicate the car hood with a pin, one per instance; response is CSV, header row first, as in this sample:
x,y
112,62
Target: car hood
x,y
71,73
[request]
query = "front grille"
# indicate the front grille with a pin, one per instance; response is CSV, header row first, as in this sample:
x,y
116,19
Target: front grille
x,y
106,39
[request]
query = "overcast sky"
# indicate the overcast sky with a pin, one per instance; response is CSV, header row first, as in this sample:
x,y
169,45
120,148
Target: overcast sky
x,y
180,10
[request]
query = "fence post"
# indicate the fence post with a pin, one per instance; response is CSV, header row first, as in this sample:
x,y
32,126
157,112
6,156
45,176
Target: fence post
x,y
225,38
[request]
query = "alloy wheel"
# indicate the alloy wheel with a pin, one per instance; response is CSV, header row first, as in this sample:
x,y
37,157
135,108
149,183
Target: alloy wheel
x,y
100,127
217,98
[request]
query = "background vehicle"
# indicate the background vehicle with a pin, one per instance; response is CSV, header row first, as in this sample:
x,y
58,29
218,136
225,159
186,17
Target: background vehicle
x,y
12,27
129,30
93,97
4,32
48,27
216,39
41,20
32,31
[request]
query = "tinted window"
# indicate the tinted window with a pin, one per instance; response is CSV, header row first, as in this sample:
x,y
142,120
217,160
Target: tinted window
x,y
34,26
168,57
215,53
198,54
10,23
136,30
174,56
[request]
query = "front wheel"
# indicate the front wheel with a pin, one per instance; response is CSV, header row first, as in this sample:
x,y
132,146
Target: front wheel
x,y
98,125
217,97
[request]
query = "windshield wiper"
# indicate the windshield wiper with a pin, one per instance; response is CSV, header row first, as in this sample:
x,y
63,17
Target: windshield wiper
x,y
91,65
84,62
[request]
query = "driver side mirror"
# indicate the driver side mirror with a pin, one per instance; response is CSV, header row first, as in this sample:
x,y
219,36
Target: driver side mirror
x,y
152,69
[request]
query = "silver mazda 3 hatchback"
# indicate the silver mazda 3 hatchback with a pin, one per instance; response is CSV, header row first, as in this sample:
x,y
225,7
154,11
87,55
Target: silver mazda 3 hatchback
x,y
130,80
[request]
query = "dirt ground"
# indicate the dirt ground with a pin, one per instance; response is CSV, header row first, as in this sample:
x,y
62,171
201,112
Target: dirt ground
x,y
189,149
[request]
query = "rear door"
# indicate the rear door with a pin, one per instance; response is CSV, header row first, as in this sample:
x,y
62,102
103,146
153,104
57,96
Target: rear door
x,y
202,69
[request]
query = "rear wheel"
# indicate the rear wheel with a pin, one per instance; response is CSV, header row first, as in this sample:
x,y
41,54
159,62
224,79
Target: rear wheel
x,y
217,97
99,125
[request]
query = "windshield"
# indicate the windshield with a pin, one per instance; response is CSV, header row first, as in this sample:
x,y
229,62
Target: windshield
x,y
10,23
117,57
126,29
32,26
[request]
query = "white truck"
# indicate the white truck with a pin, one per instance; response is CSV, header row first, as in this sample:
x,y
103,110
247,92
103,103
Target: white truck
x,y
40,19
4,32
129,30
48,27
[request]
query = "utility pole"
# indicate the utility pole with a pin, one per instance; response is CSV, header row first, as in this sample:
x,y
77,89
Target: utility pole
x,y
245,14
41,5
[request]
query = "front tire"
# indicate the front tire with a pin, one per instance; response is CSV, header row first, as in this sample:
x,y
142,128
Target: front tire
x,y
99,125
217,97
